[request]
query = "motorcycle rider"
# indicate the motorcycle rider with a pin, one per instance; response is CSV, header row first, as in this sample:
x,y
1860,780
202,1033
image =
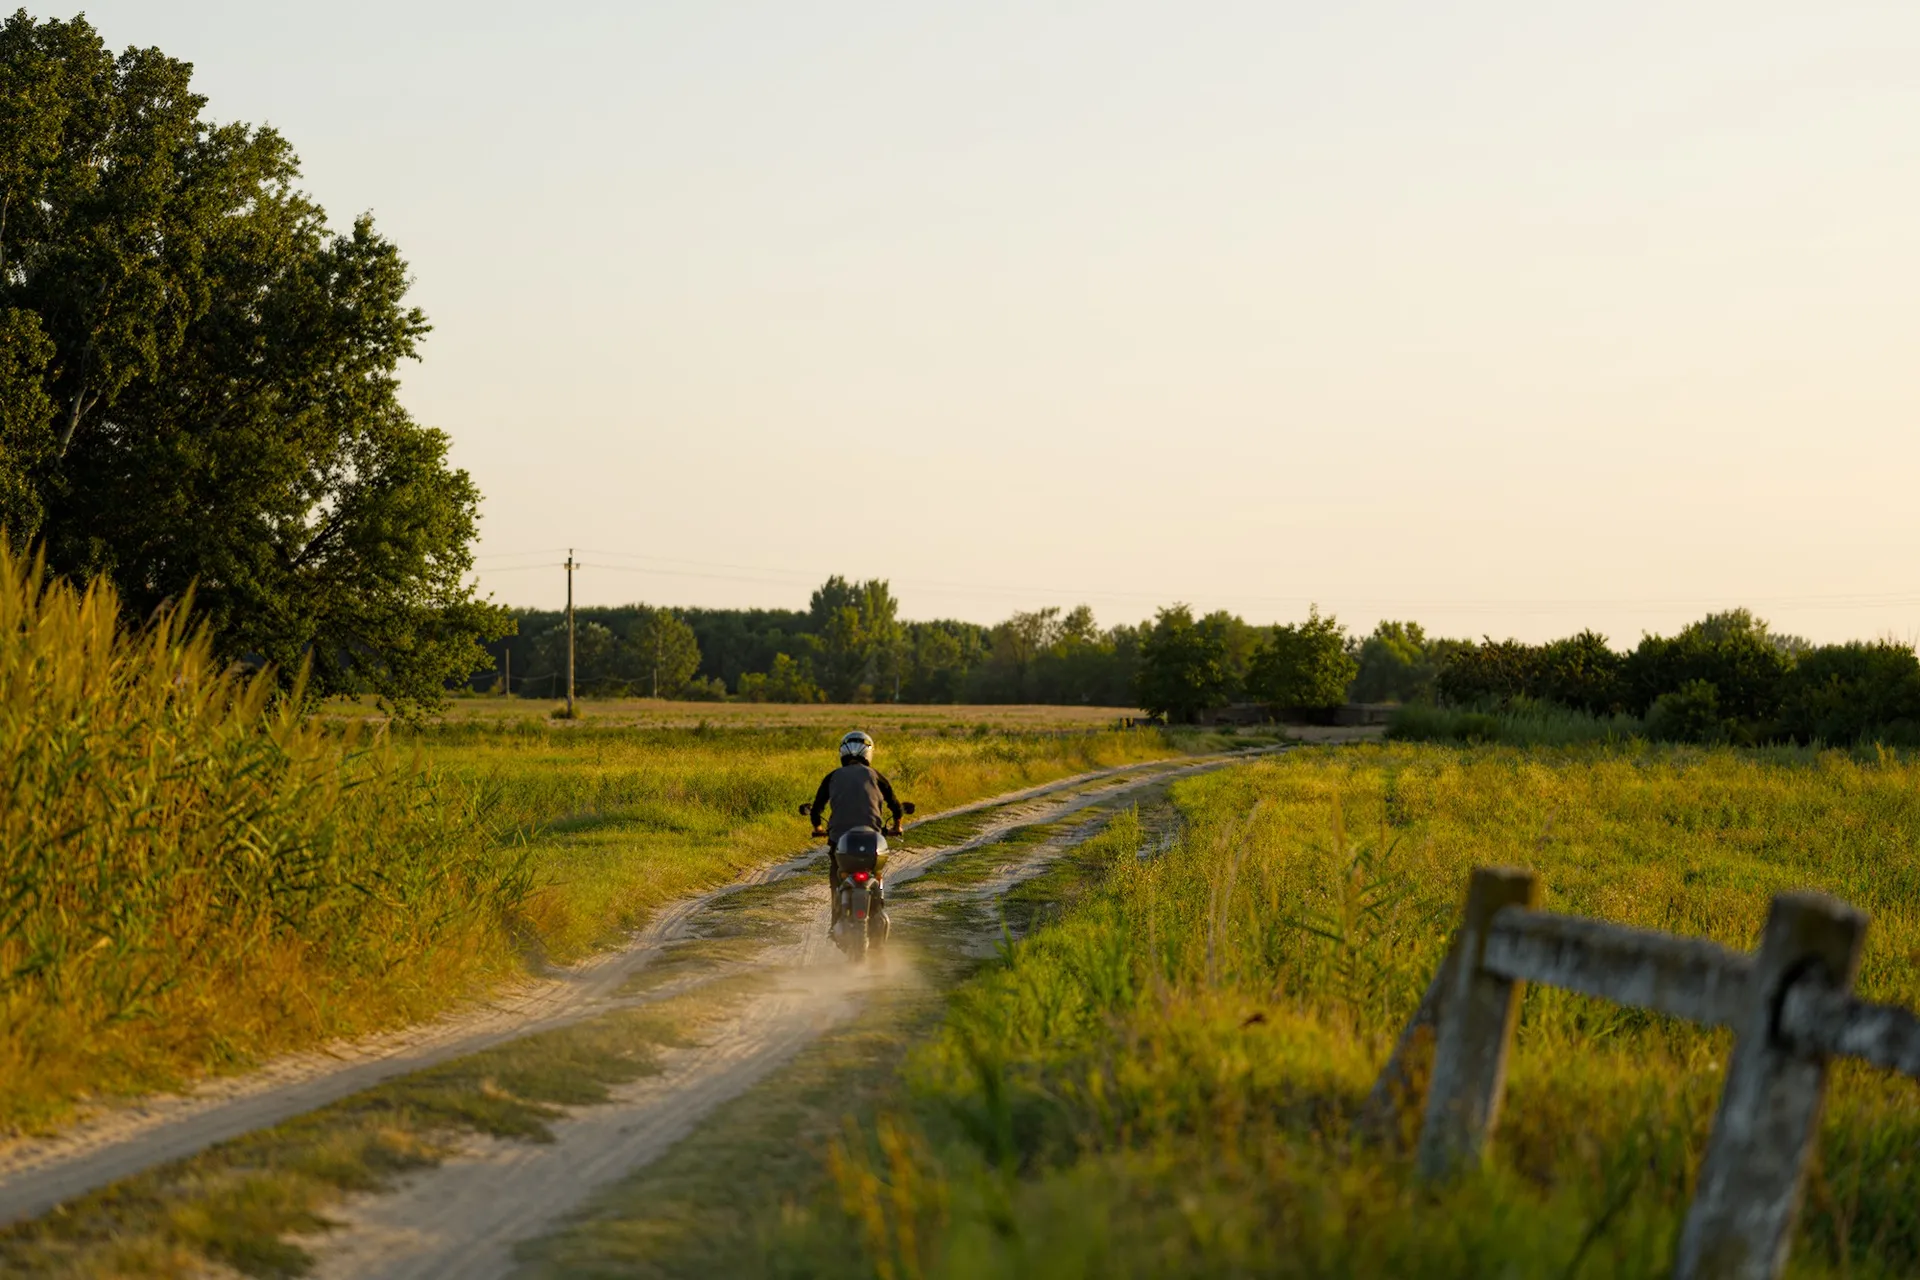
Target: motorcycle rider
x,y
854,793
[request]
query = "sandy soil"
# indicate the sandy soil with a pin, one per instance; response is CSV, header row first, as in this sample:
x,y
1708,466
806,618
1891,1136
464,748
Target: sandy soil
x,y
38,1174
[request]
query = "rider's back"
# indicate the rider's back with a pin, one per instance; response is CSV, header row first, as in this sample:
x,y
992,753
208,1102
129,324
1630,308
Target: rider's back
x,y
856,797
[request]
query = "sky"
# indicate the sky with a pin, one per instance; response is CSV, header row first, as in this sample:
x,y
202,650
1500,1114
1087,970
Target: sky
x,y
1509,318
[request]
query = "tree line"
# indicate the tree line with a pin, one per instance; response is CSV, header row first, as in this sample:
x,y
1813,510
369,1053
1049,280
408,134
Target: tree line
x,y
1725,678
851,645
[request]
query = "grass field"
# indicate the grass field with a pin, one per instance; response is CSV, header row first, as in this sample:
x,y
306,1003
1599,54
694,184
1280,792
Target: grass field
x,y
193,876
619,820
1165,1083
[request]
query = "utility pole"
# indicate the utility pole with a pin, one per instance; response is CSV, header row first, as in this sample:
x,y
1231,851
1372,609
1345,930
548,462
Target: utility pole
x,y
656,655
569,632
506,679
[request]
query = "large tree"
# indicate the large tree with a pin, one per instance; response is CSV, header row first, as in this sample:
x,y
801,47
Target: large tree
x,y
858,625
1303,666
197,380
1183,666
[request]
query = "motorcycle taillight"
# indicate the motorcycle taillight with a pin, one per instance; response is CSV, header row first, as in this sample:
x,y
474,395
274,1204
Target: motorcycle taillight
x,y
859,877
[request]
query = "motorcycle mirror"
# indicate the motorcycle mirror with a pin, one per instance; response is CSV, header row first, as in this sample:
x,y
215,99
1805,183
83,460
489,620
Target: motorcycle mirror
x,y
907,807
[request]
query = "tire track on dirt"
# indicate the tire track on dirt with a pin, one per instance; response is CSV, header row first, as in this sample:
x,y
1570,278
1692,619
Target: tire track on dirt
x,y
37,1175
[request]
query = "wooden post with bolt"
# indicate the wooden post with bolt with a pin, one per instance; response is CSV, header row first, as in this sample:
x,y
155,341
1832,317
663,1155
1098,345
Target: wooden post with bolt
x,y
1476,1030
1748,1194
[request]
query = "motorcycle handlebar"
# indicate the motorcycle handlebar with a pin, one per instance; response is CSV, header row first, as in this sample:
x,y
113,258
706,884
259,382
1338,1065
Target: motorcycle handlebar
x,y
806,811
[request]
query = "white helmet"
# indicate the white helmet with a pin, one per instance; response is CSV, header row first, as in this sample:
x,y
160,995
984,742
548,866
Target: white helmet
x,y
857,744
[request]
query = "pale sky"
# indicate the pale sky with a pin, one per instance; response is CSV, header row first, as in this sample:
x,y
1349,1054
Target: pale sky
x,y
1510,318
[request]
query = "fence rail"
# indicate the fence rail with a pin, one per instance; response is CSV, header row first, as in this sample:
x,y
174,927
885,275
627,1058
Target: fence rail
x,y
1789,1004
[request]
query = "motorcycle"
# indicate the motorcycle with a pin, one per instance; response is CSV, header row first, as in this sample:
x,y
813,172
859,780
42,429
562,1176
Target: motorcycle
x,y
860,922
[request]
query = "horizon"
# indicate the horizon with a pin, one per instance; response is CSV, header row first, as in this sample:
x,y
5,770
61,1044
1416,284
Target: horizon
x,y
1505,321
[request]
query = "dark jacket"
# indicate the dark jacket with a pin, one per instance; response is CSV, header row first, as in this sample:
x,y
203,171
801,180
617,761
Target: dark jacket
x,y
854,792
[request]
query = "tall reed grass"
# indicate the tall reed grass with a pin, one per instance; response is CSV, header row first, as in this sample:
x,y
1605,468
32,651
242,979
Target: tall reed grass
x,y
191,873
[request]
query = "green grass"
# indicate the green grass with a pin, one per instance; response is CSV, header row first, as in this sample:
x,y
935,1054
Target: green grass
x,y
251,1205
193,877
1165,1081
618,821
1524,723
734,1197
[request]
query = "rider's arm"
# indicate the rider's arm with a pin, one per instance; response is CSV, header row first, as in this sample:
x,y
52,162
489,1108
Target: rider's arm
x,y
886,793
820,803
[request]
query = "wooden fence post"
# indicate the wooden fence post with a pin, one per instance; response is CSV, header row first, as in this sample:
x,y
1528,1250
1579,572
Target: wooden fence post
x,y
1741,1222
1476,1027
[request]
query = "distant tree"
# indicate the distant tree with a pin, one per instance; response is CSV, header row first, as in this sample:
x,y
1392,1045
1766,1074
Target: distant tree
x,y
1581,672
1393,665
659,654
940,655
1239,642
787,680
1183,667
1843,693
858,626
1305,666
735,641
1691,713
1078,664
1733,651
596,652
197,381
1489,674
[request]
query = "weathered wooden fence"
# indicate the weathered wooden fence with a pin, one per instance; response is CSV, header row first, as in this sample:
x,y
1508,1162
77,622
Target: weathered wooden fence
x,y
1790,1005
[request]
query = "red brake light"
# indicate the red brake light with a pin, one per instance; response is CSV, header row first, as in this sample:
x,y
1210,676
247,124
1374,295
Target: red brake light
x,y
860,877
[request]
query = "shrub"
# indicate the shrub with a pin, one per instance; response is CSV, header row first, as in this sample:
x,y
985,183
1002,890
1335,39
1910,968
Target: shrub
x,y
1731,651
1690,713
1492,672
1581,672
710,689
1842,693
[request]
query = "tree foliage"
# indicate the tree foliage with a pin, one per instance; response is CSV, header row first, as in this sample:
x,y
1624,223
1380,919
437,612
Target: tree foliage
x,y
1305,666
858,626
1183,666
197,380
1725,678
662,652
786,680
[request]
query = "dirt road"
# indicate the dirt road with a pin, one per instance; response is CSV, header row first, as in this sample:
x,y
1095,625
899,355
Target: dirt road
x,y
463,1217
458,1219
